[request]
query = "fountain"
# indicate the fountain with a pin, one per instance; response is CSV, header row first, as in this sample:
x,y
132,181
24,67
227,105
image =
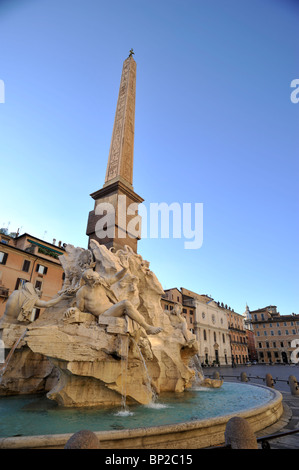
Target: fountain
x,y
131,336
105,344
132,354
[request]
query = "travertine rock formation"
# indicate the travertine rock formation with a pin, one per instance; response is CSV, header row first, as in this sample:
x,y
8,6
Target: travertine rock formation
x,y
107,334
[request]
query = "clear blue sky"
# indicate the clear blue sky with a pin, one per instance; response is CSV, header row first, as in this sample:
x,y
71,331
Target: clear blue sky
x,y
214,124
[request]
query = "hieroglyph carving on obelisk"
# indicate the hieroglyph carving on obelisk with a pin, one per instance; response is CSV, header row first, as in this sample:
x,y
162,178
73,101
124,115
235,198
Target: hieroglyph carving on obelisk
x,y
120,161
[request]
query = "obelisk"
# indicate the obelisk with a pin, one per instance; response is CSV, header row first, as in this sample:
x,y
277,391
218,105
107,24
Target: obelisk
x,y
118,192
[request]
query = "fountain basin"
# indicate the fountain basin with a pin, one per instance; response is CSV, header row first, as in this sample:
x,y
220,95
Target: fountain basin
x,y
189,434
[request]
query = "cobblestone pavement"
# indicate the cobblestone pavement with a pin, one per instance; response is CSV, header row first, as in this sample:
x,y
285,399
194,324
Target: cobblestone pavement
x,y
289,421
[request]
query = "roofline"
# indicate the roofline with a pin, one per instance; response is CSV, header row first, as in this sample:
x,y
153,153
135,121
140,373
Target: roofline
x,y
263,309
172,288
30,254
39,239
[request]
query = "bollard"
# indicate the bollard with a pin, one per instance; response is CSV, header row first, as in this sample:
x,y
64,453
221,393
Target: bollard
x,y
294,386
216,375
83,440
239,435
269,381
244,377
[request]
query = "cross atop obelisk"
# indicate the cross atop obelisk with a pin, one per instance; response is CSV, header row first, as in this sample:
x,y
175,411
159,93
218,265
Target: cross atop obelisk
x,y
120,160
118,191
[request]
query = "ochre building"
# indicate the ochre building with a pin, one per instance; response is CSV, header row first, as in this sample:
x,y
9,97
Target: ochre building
x,y
25,258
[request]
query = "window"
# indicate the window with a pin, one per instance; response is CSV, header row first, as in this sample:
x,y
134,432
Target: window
x,y
20,283
223,338
287,332
26,266
265,333
279,333
272,333
191,320
38,285
263,317
35,314
3,257
166,307
204,335
281,344
41,269
184,310
274,344
260,345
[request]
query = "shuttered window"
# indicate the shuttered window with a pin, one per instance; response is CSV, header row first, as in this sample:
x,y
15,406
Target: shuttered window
x,y
26,266
41,269
3,257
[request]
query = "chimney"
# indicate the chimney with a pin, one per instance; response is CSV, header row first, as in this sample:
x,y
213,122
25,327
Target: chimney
x,y
54,241
59,244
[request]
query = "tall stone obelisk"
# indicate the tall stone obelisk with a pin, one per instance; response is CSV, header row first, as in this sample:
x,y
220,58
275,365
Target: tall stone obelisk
x,y
118,192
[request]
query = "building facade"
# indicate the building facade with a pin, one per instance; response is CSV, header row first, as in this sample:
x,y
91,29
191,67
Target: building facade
x,y
207,321
276,335
252,352
238,337
26,258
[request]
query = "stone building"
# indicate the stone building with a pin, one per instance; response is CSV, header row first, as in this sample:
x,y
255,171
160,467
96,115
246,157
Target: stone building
x,y
274,334
238,336
252,352
207,321
25,258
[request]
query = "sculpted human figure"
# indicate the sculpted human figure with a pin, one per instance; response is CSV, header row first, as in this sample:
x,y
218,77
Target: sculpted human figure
x,y
21,303
178,321
97,298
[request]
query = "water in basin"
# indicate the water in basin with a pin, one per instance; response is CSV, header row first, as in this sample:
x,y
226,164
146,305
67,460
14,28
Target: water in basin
x,y
36,415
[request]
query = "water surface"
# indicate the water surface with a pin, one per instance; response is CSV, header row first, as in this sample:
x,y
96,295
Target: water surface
x,y
35,415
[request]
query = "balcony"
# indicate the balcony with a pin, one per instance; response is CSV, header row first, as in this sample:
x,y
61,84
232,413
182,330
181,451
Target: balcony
x,y
189,303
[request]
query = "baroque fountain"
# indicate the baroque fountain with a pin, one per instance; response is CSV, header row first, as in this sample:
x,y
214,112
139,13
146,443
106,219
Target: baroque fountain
x,y
104,341
107,313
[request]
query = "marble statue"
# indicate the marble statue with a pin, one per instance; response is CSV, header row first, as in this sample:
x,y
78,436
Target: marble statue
x,y
107,317
21,303
97,298
178,321
74,263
